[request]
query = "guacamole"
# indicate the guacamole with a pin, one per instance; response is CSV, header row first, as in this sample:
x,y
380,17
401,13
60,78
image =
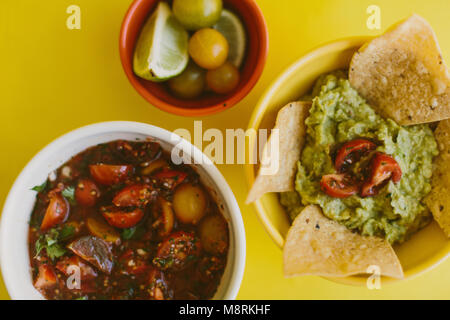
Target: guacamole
x,y
338,115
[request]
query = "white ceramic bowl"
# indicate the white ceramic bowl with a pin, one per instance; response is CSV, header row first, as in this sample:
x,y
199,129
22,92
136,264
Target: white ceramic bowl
x,y
14,257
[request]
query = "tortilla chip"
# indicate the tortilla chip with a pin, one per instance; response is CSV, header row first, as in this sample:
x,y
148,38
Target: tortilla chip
x,y
438,200
402,74
292,130
316,245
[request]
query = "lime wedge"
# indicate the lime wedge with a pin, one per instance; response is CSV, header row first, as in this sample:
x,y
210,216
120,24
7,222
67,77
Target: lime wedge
x,y
231,27
162,49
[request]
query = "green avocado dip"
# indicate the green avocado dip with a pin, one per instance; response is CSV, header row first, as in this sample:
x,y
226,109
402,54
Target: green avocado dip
x,y
338,115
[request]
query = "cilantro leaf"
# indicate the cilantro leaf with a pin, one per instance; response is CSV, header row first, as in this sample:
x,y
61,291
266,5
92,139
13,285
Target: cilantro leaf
x,y
51,246
69,194
135,232
127,234
39,245
55,251
51,241
41,187
66,232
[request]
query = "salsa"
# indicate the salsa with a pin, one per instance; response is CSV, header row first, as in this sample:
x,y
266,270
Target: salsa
x,y
121,221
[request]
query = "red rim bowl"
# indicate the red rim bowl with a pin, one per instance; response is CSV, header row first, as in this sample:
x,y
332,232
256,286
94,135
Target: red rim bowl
x,y
157,93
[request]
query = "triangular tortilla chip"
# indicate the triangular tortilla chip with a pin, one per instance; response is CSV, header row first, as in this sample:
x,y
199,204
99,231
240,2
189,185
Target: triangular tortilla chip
x,y
292,130
316,245
402,74
438,200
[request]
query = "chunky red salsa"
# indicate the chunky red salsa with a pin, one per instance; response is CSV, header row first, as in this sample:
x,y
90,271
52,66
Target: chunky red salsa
x,y
122,221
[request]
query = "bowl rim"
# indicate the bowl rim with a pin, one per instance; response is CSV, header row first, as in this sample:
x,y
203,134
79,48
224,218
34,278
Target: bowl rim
x,y
7,262
254,123
193,112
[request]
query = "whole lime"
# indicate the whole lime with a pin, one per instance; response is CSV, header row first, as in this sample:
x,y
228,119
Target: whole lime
x,y
197,14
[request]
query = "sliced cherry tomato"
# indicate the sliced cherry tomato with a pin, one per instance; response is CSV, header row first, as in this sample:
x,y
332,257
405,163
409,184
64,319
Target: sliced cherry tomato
x,y
135,264
57,212
122,219
164,217
177,251
338,185
46,277
109,174
153,166
351,152
87,193
67,265
102,230
159,289
383,168
137,195
170,178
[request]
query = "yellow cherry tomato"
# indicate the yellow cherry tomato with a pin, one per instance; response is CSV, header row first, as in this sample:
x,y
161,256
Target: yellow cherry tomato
x,y
223,79
197,14
189,203
190,83
208,48
213,232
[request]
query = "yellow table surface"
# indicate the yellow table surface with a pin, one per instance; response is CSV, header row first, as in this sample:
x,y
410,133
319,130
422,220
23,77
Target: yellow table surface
x,y
54,80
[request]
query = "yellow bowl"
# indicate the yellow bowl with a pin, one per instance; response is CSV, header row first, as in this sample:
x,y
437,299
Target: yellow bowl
x,y
425,250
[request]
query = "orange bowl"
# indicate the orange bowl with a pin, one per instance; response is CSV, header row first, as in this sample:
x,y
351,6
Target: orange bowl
x,y
157,93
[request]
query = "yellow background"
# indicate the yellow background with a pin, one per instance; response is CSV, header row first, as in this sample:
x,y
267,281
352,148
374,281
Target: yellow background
x,y
53,80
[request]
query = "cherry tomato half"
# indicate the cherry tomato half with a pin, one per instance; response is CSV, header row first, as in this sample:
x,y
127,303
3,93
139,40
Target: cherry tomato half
x,y
351,152
383,168
163,216
102,230
109,174
46,277
135,195
189,203
338,185
87,193
135,264
177,251
170,178
159,288
57,212
122,219
213,232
